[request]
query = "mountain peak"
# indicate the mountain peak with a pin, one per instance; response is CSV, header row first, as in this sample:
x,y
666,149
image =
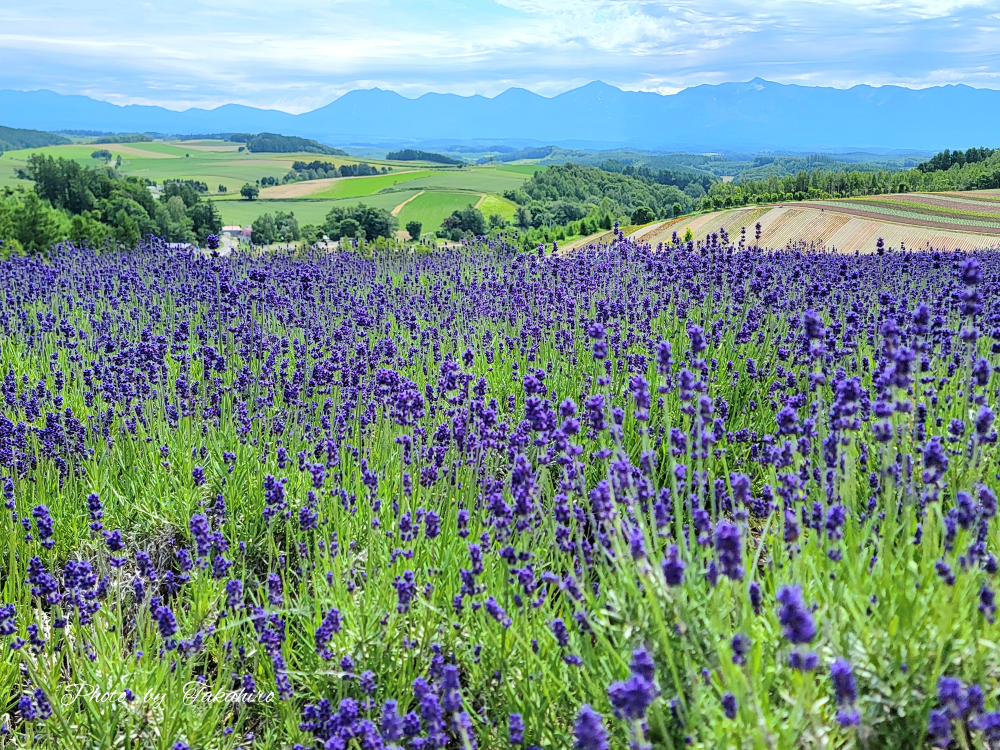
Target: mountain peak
x,y
754,115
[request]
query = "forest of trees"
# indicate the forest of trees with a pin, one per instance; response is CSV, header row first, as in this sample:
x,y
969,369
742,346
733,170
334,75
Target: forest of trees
x,y
408,154
569,192
273,143
124,138
70,201
12,139
318,170
359,222
946,159
679,178
981,173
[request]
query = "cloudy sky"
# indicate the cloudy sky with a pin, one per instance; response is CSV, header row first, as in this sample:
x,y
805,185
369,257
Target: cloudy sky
x,y
296,55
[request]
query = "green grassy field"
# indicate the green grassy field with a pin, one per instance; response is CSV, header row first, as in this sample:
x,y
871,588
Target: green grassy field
x,y
431,208
354,187
494,204
307,211
485,180
525,169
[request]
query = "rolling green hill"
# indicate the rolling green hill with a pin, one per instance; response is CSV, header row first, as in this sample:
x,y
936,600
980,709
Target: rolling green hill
x,y
272,143
12,139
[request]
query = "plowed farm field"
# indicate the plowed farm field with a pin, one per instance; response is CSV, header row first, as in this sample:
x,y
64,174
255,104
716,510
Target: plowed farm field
x,y
914,220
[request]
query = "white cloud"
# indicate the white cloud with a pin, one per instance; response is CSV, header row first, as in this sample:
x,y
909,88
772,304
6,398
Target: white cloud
x,y
299,54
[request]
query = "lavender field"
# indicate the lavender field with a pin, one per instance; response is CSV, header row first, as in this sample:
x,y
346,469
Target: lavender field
x,y
658,497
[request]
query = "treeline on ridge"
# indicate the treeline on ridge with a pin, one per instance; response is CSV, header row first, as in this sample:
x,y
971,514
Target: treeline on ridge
x,y
13,139
942,172
946,159
409,154
124,138
273,143
320,170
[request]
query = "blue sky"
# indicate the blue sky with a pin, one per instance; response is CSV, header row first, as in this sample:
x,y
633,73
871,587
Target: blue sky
x,y
296,55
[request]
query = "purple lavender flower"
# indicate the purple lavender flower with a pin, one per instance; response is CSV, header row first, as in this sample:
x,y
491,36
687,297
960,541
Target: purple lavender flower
x,y
234,592
43,585
729,706
8,624
633,696
804,661
275,595
642,664
589,731
329,626
939,728
729,546
96,512
971,272
515,729
796,620
848,717
406,589
741,647
755,596
201,532
935,460
44,524
673,567
168,625
844,686
392,723
560,632
497,613
26,707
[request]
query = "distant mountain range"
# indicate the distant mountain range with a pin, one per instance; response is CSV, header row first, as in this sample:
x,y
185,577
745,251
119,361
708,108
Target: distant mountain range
x,y
757,115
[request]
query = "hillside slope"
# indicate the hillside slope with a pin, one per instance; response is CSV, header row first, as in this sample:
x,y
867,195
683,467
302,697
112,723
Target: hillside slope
x,y
835,227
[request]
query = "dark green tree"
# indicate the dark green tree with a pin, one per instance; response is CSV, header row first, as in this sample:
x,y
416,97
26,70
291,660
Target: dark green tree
x,y
376,222
348,228
205,219
413,229
310,233
126,228
35,225
287,226
249,191
643,215
265,231
467,220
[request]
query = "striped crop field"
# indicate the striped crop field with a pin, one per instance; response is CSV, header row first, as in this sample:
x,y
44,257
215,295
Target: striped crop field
x,y
916,220
965,212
